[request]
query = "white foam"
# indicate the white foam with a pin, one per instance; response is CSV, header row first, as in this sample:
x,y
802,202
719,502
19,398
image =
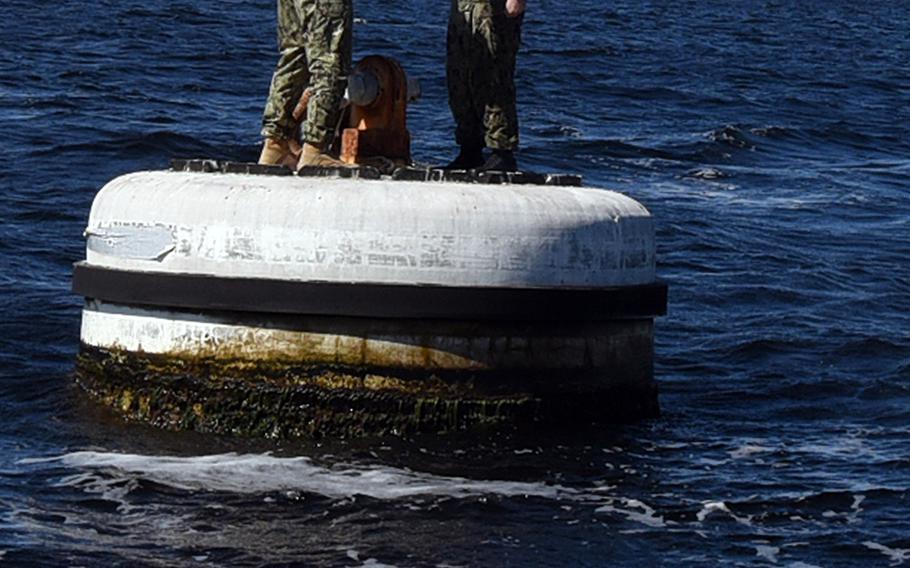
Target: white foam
x,y
852,516
767,552
748,450
264,473
856,508
897,555
635,511
711,507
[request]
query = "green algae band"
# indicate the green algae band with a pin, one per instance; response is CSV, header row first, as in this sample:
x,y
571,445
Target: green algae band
x,y
284,306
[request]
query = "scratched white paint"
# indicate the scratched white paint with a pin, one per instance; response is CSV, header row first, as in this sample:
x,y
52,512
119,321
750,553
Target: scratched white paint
x,y
317,229
178,334
163,332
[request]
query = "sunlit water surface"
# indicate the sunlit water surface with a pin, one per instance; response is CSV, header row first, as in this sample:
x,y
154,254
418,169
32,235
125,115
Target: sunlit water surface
x,y
769,140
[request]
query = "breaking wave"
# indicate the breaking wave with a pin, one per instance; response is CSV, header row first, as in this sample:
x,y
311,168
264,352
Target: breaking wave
x,y
264,473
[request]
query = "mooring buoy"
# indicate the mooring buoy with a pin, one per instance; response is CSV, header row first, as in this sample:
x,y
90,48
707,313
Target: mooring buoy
x,y
284,305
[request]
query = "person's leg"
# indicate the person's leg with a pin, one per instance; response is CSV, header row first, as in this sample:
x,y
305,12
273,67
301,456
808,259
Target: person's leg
x,y
329,25
288,83
502,35
461,61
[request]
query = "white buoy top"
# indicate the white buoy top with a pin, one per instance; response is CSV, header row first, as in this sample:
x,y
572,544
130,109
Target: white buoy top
x,y
359,231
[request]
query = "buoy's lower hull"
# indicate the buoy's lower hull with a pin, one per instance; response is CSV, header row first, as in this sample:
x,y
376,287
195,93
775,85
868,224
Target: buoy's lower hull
x,y
287,376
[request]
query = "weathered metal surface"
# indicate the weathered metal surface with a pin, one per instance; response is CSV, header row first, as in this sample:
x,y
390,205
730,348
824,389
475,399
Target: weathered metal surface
x,y
622,348
377,128
363,87
349,377
360,172
333,230
430,174
143,242
386,370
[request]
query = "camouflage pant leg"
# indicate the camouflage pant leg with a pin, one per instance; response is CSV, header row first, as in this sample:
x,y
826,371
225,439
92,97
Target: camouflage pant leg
x,y
291,75
315,39
329,46
482,47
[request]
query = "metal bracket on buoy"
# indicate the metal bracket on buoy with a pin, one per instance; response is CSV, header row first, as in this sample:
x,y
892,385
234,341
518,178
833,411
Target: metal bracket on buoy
x,y
226,167
489,178
411,173
376,128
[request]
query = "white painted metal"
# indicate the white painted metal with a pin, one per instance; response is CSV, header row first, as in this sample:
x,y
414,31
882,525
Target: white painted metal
x,y
446,347
318,229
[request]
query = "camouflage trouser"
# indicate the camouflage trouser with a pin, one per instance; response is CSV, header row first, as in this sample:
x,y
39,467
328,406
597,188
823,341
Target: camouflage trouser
x,y
480,68
314,37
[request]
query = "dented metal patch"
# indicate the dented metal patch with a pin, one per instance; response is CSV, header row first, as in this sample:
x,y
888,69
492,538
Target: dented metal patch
x,y
132,240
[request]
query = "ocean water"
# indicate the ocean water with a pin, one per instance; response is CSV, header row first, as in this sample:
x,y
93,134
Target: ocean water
x,y
770,139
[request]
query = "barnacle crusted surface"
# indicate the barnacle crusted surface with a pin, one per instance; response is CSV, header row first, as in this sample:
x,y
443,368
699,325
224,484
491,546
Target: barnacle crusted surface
x,y
279,400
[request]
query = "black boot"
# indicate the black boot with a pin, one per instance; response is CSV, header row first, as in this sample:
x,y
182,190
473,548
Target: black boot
x,y
500,161
468,158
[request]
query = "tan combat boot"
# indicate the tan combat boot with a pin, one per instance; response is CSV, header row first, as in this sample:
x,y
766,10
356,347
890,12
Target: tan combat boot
x,y
313,156
278,152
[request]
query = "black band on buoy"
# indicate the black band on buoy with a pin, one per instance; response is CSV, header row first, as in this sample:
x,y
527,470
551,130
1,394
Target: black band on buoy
x,y
348,299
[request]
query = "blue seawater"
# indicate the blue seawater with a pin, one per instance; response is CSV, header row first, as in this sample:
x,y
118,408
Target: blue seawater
x,y
770,139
